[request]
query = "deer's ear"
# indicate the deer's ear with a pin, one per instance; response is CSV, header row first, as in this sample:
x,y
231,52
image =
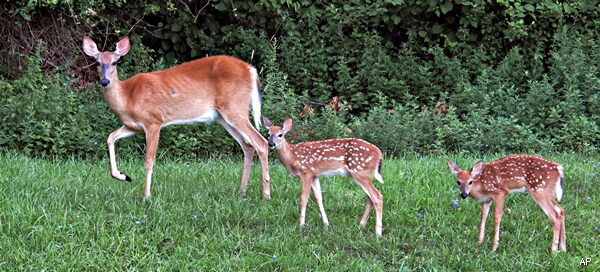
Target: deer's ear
x,y
477,168
267,122
453,167
90,48
122,47
287,125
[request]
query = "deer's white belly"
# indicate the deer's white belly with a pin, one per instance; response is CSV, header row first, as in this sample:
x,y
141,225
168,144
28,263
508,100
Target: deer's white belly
x,y
208,116
337,172
519,190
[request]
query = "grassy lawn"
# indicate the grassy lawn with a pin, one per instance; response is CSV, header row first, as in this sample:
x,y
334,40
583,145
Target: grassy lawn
x,y
71,215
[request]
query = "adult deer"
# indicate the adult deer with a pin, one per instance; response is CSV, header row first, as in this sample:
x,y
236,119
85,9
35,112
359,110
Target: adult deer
x,y
217,88
355,158
493,181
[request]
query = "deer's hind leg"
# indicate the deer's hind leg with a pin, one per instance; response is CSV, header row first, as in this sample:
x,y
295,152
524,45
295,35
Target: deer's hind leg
x,y
375,199
250,140
556,215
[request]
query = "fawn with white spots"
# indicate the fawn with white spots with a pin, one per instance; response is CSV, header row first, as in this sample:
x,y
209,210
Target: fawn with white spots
x,y
493,181
355,158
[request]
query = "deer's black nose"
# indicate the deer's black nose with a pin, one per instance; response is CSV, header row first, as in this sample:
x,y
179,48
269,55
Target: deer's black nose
x,y
104,82
464,195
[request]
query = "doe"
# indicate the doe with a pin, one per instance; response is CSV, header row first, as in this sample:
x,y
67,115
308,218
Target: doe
x,y
355,158
493,181
220,88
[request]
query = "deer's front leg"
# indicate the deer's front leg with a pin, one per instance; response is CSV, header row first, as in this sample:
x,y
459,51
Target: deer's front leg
x,y
152,136
306,185
498,210
485,209
122,132
316,187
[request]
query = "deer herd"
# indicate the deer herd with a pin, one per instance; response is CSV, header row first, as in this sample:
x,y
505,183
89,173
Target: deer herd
x,y
225,89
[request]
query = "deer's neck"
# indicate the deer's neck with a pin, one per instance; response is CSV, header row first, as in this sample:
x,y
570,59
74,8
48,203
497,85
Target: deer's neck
x,y
288,158
480,193
116,95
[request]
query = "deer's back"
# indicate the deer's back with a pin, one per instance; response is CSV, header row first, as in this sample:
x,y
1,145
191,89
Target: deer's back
x,y
533,171
352,153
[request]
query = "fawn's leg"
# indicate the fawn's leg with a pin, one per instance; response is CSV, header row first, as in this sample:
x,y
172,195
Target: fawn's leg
x,y
306,185
485,209
316,188
498,210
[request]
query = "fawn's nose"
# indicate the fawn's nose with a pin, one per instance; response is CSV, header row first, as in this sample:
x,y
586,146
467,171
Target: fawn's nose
x,y
104,82
270,141
464,195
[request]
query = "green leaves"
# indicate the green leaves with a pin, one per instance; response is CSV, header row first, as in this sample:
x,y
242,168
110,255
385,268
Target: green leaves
x,y
176,26
437,28
410,53
446,7
567,8
529,7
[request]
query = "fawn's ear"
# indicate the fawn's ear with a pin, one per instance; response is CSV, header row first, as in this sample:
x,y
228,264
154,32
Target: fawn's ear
x,y
90,48
287,125
122,47
453,167
476,171
268,123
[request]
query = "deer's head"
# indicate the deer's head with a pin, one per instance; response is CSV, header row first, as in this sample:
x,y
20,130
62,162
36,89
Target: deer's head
x,y
276,134
464,179
106,61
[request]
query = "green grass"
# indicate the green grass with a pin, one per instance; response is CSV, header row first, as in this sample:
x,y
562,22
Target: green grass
x,y
71,215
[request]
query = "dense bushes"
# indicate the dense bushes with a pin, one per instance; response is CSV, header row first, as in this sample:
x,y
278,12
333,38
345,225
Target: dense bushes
x,y
513,107
412,76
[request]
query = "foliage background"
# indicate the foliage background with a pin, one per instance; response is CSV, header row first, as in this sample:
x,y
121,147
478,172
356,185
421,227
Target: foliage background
x,y
411,76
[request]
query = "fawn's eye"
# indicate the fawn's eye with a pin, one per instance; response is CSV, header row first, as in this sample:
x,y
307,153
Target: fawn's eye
x,y
458,182
471,182
114,63
280,135
98,63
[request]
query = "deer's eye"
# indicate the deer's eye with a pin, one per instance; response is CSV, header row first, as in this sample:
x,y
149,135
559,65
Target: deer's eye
x,y
98,63
114,63
280,135
471,182
458,182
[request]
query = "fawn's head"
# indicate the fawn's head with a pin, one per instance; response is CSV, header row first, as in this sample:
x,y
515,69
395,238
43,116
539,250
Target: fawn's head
x,y
276,134
464,178
106,61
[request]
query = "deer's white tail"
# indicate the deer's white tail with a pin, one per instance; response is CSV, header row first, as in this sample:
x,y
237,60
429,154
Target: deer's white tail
x,y
559,184
256,105
377,175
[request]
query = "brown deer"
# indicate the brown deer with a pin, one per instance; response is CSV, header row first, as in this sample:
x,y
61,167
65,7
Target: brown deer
x,y
355,158
493,181
220,88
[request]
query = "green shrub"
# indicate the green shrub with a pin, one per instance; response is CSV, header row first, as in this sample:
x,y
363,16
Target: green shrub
x,y
42,116
411,76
